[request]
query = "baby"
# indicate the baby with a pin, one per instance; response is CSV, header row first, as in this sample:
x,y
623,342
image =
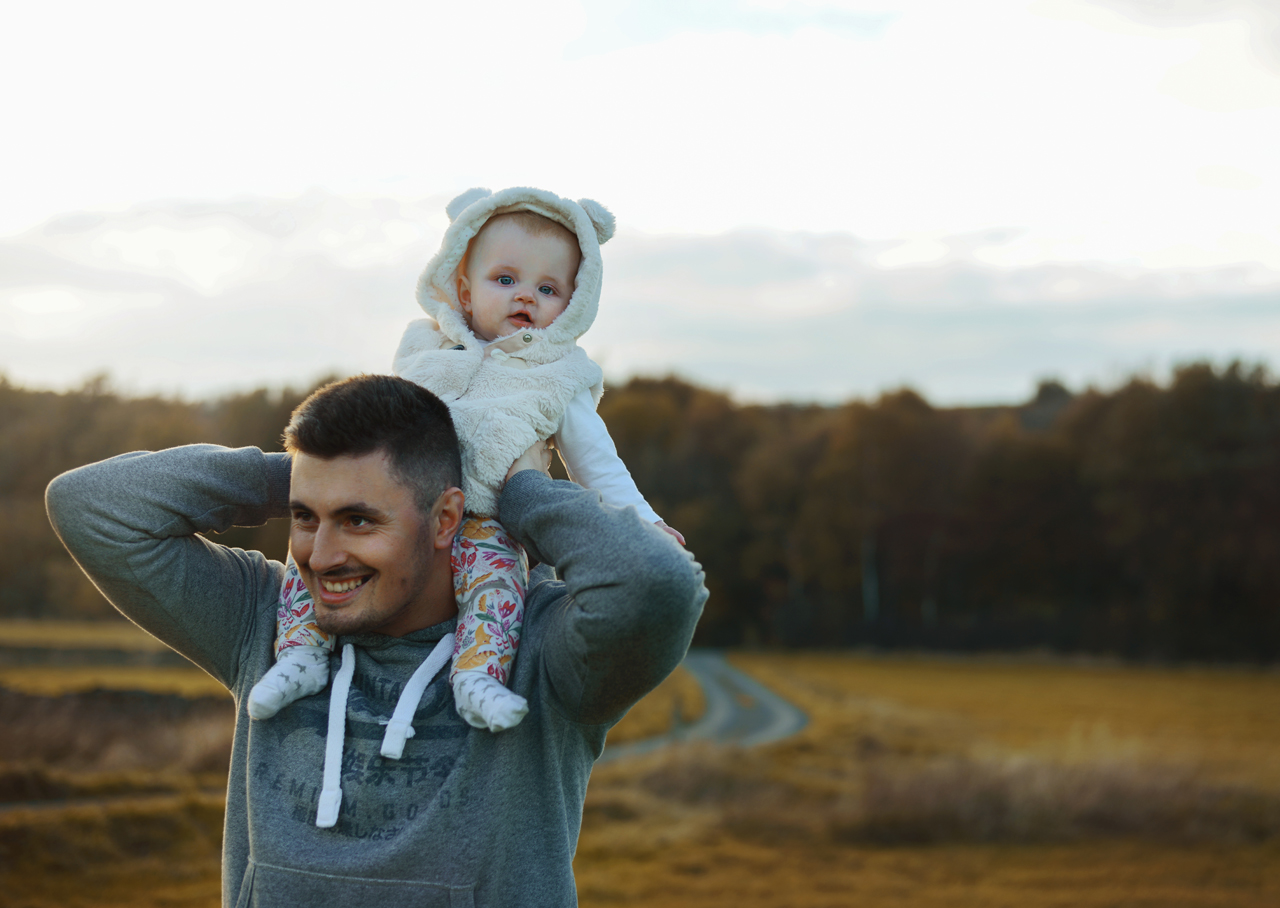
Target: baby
x,y
516,282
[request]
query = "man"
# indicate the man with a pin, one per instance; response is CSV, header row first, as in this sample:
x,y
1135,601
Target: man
x,y
464,817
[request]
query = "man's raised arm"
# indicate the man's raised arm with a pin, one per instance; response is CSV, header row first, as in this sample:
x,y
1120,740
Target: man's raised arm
x,y
131,523
634,595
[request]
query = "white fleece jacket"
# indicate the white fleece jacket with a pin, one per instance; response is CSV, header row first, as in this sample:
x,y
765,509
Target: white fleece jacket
x,y
507,394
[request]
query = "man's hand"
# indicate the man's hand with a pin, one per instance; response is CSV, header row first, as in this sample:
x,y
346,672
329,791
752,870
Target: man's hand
x,y
538,457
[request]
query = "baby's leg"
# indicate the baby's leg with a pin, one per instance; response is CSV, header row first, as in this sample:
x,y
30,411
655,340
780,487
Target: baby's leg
x,y
490,572
302,651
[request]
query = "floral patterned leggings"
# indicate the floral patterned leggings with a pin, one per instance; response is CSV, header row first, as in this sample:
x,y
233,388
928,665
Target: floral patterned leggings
x,y
490,573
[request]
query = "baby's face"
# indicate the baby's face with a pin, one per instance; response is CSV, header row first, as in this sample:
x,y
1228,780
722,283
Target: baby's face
x,y
515,280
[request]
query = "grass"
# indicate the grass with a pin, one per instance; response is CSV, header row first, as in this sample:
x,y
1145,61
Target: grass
x,y
728,872
103,836
933,781
679,695
142,853
919,781
117,635
55,681
1220,722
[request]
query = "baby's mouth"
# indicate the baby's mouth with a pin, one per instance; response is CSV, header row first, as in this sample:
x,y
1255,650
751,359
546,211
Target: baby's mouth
x,y
522,318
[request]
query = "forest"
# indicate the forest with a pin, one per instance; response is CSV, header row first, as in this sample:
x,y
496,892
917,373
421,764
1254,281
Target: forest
x,y
1141,522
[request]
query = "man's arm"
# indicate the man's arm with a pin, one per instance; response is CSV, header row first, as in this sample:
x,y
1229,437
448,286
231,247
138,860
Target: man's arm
x,y
634,595
131,523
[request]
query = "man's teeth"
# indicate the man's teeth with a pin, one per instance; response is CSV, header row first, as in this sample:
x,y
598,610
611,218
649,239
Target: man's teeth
x,y
341,586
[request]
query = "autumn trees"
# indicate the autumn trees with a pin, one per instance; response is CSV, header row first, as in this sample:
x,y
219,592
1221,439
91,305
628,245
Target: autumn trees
x,y
1144,521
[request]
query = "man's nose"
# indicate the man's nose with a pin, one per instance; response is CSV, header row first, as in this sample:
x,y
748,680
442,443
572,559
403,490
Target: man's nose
x,y
327,550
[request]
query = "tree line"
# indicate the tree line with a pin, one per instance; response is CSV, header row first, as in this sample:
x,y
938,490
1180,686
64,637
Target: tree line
x,y
1142,521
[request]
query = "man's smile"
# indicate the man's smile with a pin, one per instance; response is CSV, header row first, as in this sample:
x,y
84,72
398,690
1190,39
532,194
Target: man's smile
x,y
339,591
342,586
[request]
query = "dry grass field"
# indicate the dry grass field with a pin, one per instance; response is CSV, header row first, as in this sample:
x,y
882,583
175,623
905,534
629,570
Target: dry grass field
x,y
78,635
919,781
933,781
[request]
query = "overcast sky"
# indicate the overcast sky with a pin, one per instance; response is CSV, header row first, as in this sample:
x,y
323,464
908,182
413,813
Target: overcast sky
x,y
815,199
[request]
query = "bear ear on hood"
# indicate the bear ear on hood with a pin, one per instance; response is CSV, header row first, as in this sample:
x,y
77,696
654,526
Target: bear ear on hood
x,y
601,219
465,201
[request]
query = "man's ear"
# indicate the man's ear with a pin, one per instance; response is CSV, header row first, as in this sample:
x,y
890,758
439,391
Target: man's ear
x,y
447,513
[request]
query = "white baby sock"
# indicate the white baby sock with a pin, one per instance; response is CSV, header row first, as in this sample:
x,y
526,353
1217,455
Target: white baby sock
x,y
300,671
485,703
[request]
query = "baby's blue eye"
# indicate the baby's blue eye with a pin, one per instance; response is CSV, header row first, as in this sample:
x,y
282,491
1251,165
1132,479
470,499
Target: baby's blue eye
x,y
547,289
506,279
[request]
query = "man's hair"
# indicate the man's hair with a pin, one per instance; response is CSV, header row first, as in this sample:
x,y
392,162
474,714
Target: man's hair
x,y
368,413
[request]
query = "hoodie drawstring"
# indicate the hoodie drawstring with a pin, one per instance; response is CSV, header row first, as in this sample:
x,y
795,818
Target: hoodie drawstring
x,y
401,725
399,728
331,793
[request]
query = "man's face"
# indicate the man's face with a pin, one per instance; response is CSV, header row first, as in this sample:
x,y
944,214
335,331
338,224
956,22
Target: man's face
x,y
515,280
361,544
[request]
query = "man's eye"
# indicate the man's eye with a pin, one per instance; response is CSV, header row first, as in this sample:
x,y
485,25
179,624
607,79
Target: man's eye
x,y
302,517
358,521
506,280
547,289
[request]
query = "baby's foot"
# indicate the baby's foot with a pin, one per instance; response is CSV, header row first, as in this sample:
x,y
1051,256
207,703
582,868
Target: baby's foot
x,y
300,671
484,703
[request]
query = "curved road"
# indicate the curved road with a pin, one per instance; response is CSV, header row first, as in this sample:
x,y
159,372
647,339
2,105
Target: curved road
x,y
740,710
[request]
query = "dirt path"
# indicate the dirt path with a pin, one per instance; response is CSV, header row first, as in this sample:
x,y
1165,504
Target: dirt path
x,y
740,710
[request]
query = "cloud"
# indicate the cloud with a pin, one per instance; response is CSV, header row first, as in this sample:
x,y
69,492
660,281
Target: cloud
x,y
200,298
204,298
821,319
918,119
1259,16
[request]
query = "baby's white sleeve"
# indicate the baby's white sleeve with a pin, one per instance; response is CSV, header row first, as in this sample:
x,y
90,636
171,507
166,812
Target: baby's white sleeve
x,y
592,459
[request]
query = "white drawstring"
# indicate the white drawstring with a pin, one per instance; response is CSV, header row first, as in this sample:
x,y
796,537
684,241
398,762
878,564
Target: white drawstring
x,y
400,727
331,793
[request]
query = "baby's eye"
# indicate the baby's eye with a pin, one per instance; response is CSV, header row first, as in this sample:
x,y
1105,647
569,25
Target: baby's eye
x,y
506,280
547,289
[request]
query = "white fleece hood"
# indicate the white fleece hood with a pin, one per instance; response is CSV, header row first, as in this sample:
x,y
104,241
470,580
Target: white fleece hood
x,y
508,394
589,221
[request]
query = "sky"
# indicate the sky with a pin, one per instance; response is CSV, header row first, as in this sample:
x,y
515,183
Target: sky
x,y
816,199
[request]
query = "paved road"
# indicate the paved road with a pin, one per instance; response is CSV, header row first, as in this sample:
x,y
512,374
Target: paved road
x,y
740,710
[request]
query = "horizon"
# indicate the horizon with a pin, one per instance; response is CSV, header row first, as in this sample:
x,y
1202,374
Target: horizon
x,y
103,383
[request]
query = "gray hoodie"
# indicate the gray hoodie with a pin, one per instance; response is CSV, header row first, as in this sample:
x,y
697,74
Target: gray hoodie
x,y
466,817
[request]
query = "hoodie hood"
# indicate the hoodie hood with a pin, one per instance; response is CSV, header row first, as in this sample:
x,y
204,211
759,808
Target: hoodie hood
x,y
589,221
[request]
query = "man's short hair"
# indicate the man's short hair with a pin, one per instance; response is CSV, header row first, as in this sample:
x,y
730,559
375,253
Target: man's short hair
x,y
367,413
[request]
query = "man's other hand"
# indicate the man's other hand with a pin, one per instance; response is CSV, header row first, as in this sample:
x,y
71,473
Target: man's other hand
x,y
538,457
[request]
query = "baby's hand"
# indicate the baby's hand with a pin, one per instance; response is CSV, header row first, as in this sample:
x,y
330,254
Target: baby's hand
x,y
676,533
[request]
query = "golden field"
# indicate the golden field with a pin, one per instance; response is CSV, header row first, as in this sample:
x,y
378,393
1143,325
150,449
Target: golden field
x,y
919,781
77,634
679,694
935,781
